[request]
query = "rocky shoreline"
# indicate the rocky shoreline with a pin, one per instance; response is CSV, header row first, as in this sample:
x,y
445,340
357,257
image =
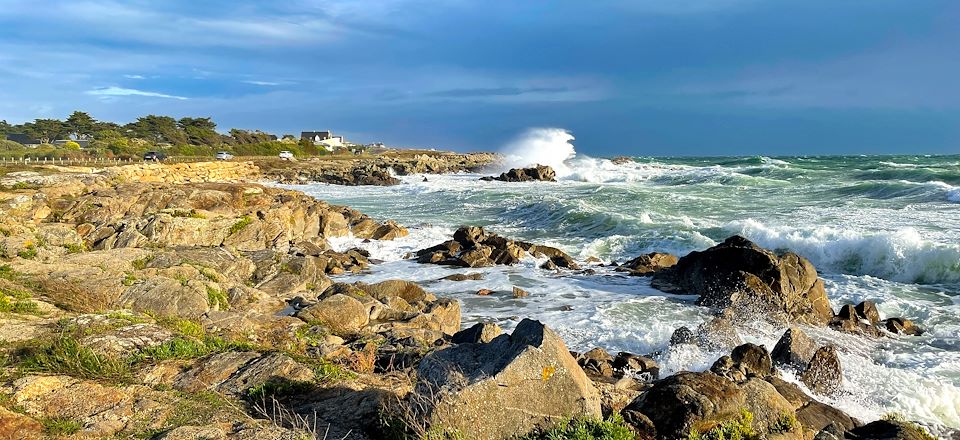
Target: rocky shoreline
x,y
187,302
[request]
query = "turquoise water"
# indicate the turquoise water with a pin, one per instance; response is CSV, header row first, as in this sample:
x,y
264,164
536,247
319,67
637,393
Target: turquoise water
x,y
885,228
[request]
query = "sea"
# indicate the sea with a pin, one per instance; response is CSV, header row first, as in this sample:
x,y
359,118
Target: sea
x,y
879,228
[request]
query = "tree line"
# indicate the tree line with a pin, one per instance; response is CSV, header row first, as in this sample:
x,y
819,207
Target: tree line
x,y
188,136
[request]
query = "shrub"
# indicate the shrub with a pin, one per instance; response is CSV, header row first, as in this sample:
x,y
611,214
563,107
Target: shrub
x,y
189,348
141,263
739,429
75,248
58,426
6,272
29,253
785,423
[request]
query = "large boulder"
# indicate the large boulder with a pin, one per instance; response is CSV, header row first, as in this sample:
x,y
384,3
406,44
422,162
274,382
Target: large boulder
x,y
794,349
688,402
752,281
537,173
824,375
648,264
473,246
505,388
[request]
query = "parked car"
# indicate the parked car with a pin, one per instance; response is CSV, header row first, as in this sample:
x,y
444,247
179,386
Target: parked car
x,y
286,155
155,156
223,155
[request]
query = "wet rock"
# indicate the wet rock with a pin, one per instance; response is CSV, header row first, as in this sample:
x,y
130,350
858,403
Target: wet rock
x,y
474,247
754,282
648,264
700,401
537,173
887,429
868,310
824,375
794,349
389,231
902,326
456,384
717,333
754,359
474,276
519,293
484,292
683,335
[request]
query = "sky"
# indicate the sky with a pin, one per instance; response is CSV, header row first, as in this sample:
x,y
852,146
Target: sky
x,y
636,77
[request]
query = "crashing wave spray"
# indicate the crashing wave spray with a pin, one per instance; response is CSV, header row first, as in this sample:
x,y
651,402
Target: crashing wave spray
x,y
543,146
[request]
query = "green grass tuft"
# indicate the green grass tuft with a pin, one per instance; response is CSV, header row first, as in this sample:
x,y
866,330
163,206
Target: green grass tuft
x,y
239,225
613,428
216,298
189,348
65,355
739,429
141,263
75,248
29,253
59,426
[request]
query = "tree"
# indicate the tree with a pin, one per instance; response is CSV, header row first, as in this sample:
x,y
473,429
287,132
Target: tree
x,y
81,125
5,128
157,129
200,131
46,130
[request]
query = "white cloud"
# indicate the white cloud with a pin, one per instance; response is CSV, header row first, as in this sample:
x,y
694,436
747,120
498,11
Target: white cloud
x,y
120,91
134,77
262,83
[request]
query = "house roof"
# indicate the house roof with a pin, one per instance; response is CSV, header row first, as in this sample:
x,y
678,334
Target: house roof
x,y
22,139
314,134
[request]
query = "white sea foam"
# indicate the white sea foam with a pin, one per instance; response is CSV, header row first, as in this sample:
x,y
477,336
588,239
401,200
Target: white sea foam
x,y
901,255
953,195
541,146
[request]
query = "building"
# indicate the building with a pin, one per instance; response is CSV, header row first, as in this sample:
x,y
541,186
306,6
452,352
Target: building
x,y
323,138
23,139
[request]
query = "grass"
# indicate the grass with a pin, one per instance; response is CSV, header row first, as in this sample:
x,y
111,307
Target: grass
x,y
141,263
29,252
20,306
7,273
325,371
216,298
129,279
189,348
75,248
58,426
738,429
240,224
65,355
613,428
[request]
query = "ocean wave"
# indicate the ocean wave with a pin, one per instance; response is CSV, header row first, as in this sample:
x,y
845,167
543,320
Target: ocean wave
x,y
933,191
917,175
954,195
901,255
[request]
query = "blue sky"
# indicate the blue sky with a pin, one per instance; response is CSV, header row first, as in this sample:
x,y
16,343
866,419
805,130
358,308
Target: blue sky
x,y
642,77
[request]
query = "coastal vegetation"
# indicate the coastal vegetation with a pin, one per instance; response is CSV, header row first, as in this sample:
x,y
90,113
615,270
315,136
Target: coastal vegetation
x,y
187,136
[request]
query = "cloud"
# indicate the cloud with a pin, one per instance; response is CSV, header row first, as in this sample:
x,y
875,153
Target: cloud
x,y
120,91
262,83
134,77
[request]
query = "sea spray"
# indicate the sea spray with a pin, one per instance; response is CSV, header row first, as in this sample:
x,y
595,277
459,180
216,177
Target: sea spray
x,y
541,146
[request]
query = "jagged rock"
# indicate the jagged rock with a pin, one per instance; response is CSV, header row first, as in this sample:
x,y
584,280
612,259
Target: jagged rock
x,y
520,293
737,274
868,310
700,401
483,332
794,349
474,247
389,231
456,384
824,375
816,416
902,326
887,429
167,297
475,276
754,359
648,264
537,173
717,333
683,335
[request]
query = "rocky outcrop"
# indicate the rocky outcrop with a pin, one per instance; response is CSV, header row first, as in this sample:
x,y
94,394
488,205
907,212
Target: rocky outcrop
x,y
864,319
474,247
539,173
504,388
377,171
399,308
648,264
184,172
752,281
819,367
